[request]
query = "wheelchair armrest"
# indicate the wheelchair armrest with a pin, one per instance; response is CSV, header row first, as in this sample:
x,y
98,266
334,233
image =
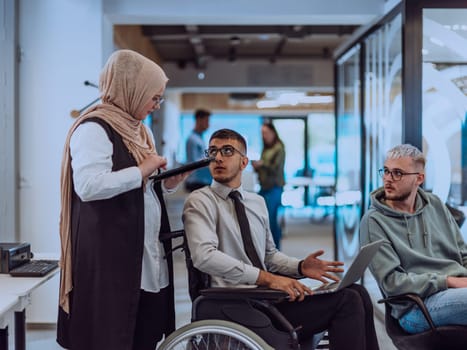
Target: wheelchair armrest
x,y
415,298
251,293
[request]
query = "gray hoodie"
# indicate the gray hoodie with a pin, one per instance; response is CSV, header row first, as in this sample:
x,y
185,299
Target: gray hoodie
x,y
420,250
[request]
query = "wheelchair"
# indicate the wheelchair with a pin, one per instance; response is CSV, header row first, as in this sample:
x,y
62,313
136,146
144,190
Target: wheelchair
x,y
234,318
214,334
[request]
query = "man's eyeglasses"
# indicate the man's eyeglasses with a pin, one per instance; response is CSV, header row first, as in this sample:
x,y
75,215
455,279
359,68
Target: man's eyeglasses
x,y
226,151
396,174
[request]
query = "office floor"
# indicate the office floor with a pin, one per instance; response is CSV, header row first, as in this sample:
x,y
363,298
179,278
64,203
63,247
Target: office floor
x,y
300,238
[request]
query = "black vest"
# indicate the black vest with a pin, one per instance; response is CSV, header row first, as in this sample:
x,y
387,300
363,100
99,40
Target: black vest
x,y
107,251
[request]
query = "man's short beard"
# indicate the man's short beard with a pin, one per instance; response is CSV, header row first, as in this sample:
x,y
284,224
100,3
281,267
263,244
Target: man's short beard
x,y
224,180
398,198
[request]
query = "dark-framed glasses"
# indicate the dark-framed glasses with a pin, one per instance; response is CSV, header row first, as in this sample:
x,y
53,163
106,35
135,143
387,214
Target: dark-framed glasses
x,y
226,151
396,174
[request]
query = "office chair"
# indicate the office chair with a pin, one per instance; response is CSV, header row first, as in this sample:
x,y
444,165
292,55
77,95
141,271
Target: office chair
x,y
452,337
251,308
457,214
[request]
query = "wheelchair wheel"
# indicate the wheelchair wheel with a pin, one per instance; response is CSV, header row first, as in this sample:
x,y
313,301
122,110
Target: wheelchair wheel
x,y
214,335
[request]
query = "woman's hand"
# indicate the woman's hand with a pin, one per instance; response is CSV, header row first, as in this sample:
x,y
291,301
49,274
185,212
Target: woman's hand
x,y
317,269
149,165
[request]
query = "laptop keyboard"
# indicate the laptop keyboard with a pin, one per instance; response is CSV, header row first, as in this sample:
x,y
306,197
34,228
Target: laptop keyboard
x,y
34,268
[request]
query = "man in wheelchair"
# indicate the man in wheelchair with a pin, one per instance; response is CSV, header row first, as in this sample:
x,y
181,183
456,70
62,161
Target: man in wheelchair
x,y
239,252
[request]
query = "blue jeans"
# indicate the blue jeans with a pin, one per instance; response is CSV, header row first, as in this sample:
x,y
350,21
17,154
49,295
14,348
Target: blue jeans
x,y
273,199
446,307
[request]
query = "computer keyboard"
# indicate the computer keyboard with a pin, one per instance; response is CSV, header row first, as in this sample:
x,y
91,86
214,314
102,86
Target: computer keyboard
x,y
34,268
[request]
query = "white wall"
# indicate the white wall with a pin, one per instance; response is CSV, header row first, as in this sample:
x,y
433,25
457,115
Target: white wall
x,y
8,137
61,46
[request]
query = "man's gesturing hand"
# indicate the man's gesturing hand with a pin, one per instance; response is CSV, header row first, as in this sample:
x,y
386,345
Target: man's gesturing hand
x,y
317,269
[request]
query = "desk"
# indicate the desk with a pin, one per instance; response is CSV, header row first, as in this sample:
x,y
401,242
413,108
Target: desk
x,y
315,184
15,292
8,305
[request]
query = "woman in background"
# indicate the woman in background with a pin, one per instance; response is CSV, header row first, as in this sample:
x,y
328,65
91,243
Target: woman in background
x,y
270,171
116,286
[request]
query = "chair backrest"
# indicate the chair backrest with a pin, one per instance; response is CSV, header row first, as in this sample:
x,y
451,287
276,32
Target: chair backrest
x,y
457,214
197,280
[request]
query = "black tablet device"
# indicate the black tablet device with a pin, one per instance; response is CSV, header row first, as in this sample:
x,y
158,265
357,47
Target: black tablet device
x,y
182,169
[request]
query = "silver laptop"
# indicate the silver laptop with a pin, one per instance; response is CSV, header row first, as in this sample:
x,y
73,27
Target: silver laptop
x,y
354,272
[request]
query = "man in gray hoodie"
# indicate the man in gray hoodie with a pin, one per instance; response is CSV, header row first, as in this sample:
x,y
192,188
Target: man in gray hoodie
x,y
424,252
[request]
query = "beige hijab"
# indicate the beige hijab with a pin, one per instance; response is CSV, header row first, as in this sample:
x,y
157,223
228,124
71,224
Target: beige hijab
x,y
127,83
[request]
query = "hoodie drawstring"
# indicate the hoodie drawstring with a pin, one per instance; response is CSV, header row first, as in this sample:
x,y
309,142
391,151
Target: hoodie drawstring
x,y
425,234
410,234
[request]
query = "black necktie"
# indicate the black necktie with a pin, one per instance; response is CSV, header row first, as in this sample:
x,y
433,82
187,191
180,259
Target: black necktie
x,y
245,230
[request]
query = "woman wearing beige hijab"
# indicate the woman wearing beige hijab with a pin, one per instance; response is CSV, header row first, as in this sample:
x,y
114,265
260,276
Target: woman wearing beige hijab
x,y
116,287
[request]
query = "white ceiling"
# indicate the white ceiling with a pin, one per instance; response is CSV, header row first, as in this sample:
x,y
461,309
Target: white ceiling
x,y
339,12
280,61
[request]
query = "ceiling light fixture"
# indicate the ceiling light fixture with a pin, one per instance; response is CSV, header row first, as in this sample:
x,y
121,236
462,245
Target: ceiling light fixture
x,y
267,104
274,99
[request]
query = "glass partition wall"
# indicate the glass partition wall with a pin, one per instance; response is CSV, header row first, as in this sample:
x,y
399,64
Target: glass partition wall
x,y
383,101
444,102
403,80
369,109
348,147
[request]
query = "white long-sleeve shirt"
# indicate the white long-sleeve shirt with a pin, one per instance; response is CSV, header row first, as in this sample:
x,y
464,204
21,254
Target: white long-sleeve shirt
x,y
93,179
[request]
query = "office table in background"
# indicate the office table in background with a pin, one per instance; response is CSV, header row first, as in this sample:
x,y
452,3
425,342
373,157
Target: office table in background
x,y
8,305
15,296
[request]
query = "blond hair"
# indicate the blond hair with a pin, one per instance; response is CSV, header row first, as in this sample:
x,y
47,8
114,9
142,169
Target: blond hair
x,y
407,150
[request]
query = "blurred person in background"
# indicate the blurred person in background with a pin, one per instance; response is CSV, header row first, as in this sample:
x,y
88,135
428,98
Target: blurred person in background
x,y
195,147
270,169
